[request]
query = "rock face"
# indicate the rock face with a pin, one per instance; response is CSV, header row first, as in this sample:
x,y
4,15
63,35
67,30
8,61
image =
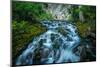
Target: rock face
x,y
59,12
53,46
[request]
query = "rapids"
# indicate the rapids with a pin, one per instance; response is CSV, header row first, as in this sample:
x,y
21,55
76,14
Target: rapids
x,y
56,45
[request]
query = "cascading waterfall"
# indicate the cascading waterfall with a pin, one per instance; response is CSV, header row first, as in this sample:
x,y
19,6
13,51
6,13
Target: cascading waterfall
x,y
56,45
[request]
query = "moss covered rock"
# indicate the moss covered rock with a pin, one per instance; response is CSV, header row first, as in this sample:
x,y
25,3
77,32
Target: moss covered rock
x,y
85,29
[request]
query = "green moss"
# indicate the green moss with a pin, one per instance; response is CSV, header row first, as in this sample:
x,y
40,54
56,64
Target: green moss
x,y
23,33
85,28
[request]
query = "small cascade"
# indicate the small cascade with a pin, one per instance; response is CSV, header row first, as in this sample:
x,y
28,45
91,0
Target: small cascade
x,y
56,45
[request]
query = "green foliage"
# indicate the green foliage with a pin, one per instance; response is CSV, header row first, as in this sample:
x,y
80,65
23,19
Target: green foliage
x,y
74,12
46,16
23,33
89,13
29,11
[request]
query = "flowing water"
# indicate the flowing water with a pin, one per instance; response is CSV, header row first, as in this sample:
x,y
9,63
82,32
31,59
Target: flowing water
x,y
56,45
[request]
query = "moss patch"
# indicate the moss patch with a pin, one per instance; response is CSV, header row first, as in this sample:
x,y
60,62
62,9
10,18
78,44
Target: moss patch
x,y
85,28
23,33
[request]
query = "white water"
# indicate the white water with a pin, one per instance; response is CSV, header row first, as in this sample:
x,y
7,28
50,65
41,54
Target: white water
x,y
47,41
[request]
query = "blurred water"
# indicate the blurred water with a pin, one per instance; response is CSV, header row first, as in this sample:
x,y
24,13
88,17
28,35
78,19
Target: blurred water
x,y
56,45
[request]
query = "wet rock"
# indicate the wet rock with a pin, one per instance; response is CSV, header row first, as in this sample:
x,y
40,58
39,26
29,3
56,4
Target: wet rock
x,y
62,31
87,50
41,42
52,37
57,43
45,53
37,56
